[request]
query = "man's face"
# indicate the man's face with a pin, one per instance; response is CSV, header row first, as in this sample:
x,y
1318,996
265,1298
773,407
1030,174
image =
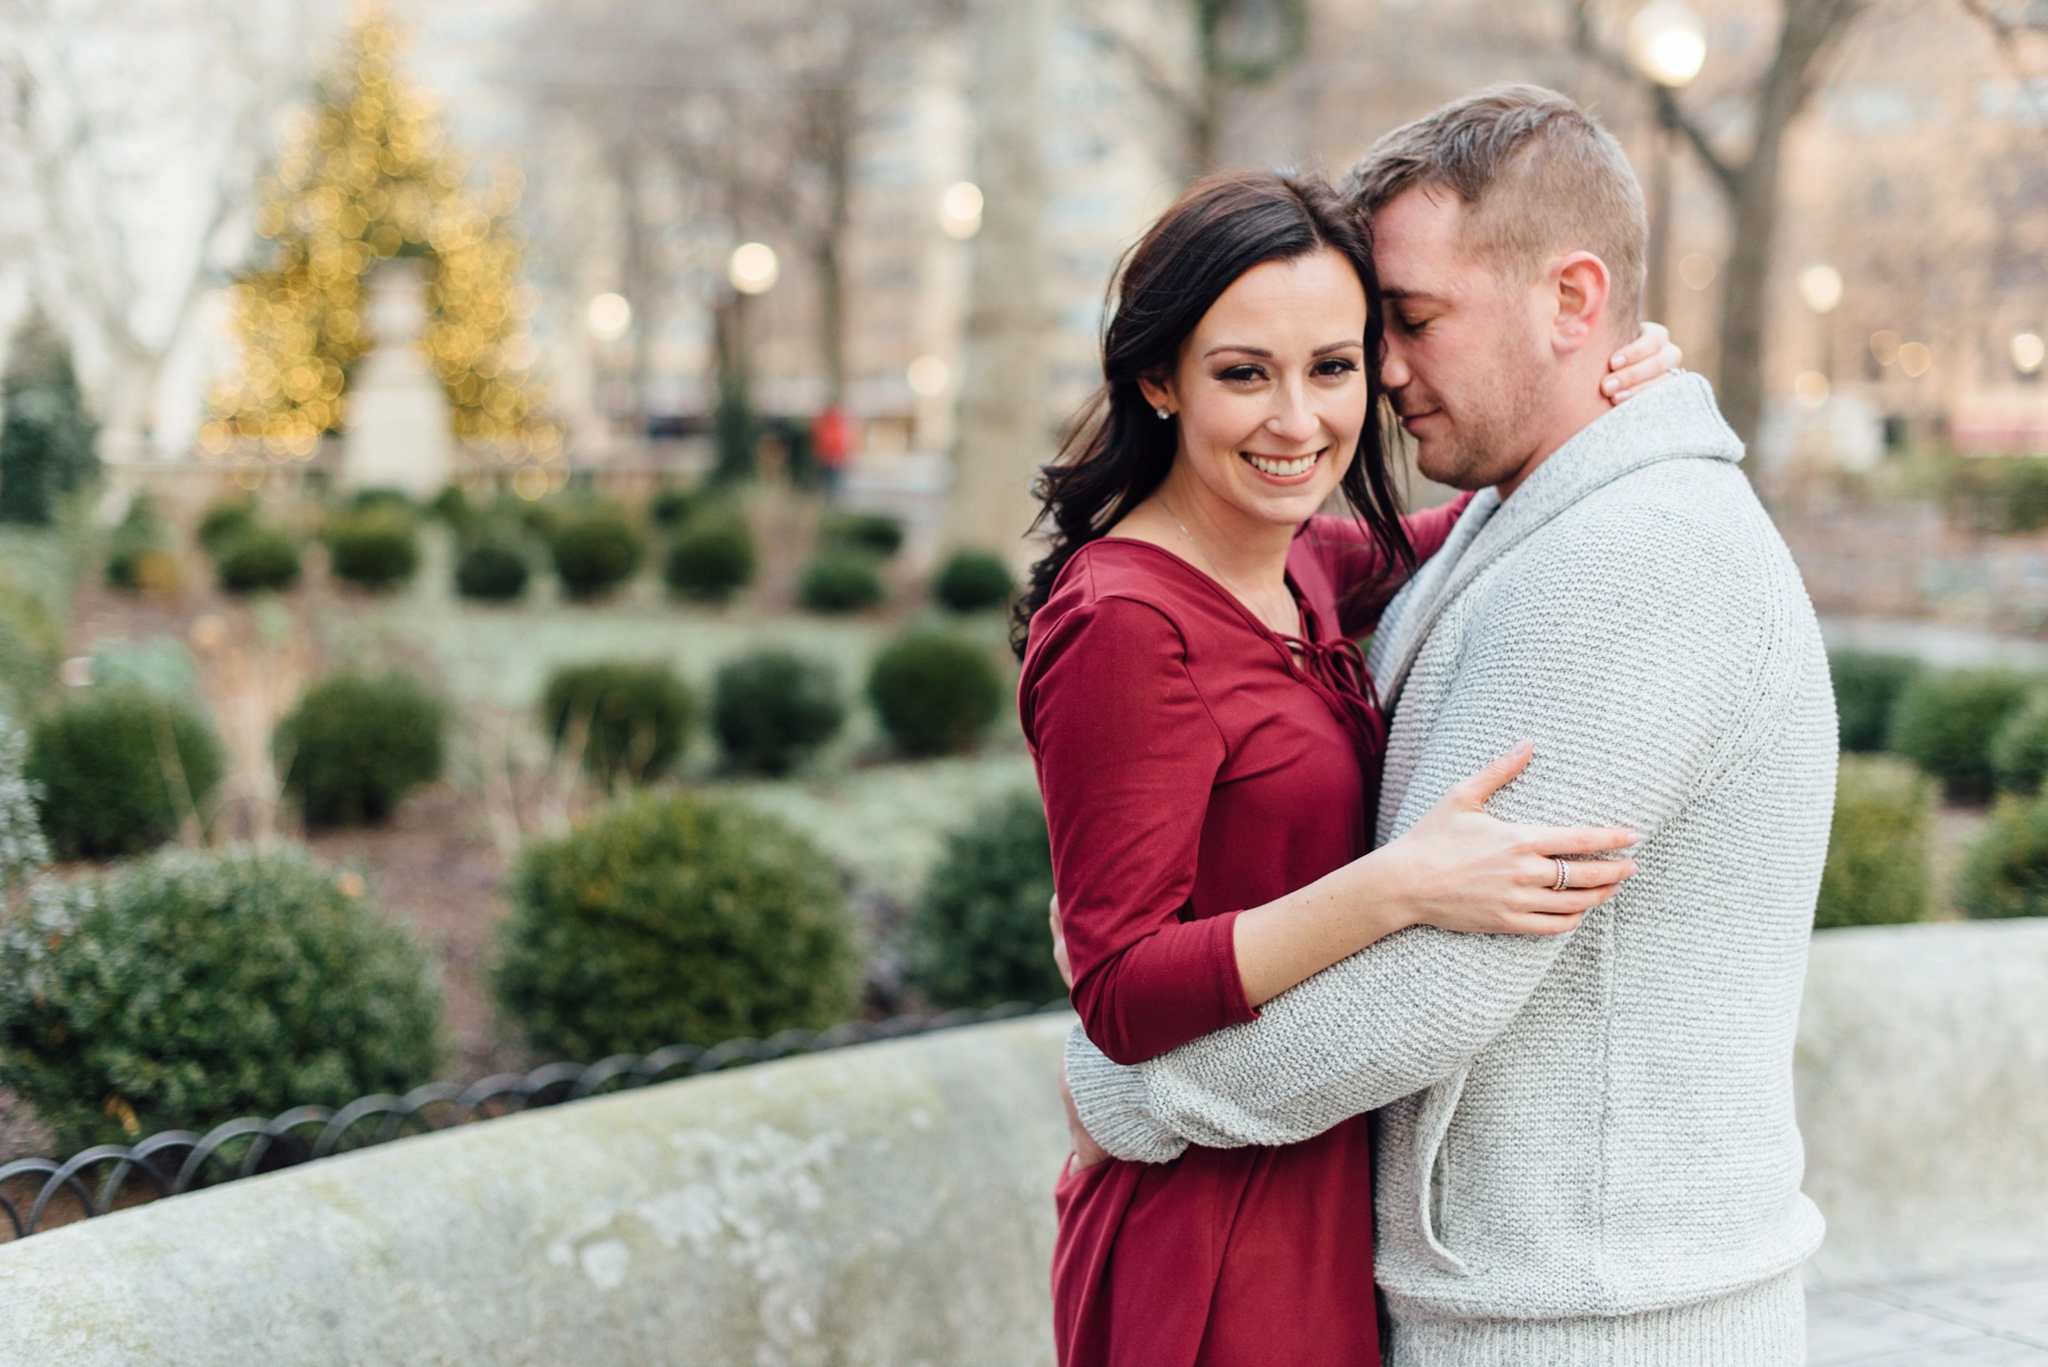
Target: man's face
x,y
1466,365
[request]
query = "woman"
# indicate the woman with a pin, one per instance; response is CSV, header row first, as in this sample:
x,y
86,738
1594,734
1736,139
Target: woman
x,y
1208,747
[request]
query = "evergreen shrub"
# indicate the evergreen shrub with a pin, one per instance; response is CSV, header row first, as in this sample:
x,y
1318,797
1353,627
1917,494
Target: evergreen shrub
x,y
454,509
633,720
194,988
667,918
256,559
1945,723
120,769
1867,687
2019,752
840,579
979,935
711,558
134,547
358,743
224,519
973,581
596,545
46,439
375,545
1879,862
879,534
2005,872
673,507
934,693
492,569
772,709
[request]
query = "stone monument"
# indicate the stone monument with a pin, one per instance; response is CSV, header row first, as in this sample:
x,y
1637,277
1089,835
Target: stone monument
x,y
399,431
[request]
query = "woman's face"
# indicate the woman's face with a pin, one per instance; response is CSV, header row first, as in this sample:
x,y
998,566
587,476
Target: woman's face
x,y
1270,392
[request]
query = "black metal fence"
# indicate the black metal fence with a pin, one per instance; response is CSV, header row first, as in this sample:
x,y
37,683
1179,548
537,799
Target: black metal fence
x,y
33,1190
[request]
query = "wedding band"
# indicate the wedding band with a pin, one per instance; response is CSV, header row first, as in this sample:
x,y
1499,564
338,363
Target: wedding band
x,y
1564,875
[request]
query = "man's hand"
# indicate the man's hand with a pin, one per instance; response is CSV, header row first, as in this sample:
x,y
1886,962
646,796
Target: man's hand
x,y
1087,1153
1059,946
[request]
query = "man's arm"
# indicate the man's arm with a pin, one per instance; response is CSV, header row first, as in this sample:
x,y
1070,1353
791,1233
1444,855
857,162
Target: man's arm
x,y
1626,667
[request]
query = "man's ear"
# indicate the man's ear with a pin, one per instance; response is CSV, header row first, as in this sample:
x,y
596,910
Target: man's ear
x,y
1580,284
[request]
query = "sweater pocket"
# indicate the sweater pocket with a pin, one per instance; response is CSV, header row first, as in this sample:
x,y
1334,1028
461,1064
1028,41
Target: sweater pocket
x,y
1432,1123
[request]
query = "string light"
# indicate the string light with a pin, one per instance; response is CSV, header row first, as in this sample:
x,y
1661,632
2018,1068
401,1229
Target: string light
x,y
367,177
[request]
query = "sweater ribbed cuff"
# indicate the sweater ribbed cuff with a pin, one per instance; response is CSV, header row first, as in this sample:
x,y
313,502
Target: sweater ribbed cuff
x,y
1114,1106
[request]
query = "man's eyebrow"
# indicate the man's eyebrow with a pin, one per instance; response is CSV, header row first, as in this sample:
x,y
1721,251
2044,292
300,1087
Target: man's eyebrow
x,y
1395,293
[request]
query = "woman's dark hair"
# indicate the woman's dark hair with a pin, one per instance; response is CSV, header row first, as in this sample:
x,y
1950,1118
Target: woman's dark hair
x,y
1118,451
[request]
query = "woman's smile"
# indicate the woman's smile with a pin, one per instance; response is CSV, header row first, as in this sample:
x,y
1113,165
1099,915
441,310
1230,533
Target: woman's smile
x,y
1285,470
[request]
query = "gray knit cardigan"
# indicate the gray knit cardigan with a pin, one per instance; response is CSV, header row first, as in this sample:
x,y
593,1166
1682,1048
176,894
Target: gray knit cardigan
x,y
1599,1124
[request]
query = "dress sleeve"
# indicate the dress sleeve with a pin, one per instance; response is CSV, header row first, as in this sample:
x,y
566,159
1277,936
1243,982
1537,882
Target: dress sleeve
x,y
1127,755
1361,572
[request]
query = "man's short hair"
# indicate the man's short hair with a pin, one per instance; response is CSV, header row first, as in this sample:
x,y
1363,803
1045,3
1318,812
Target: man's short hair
x,y
1538,177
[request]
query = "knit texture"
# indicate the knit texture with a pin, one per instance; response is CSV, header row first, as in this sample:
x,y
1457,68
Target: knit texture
x,y
1598,1124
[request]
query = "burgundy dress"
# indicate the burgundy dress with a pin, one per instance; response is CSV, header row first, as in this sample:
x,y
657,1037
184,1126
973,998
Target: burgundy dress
x,y
1194,764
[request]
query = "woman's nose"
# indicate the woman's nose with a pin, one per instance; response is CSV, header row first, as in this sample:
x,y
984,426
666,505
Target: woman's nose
x,y
1294,420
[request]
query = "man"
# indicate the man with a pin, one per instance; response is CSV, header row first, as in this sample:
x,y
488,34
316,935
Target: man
x,y
1587,1152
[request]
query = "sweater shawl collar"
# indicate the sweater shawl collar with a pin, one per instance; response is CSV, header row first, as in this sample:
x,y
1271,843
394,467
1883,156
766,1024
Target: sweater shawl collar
x,y
1674,420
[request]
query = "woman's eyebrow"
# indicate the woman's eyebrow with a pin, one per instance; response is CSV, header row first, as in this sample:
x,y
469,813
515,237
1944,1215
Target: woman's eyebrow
x,y
1265,355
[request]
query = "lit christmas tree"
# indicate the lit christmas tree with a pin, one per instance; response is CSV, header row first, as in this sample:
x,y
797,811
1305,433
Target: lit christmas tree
x,y
368,179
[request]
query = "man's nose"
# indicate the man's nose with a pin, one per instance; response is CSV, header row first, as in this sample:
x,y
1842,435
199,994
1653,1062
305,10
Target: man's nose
x,y
1394,371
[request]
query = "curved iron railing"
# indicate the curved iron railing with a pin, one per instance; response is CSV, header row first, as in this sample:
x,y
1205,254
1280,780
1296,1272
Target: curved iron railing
x,y
178,1161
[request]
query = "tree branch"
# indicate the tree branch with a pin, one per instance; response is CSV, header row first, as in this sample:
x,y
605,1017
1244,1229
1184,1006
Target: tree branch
x,y
1670,112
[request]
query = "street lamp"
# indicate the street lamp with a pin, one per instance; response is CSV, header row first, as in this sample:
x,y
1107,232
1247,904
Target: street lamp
x,y
960,210
2028,352
753,268
1668,45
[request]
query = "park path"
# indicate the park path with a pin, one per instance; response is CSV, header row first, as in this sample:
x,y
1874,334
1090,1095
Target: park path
x,y
1994,1319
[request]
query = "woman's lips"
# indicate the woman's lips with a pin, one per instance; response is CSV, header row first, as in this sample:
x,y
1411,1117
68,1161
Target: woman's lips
x,y
1283,469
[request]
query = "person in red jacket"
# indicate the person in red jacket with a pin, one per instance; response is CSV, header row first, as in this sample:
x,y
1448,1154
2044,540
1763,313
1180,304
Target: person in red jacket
x,y
1208,748
832,447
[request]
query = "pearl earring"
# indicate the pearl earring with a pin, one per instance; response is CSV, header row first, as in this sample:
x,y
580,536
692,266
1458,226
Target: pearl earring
x,y
1162,412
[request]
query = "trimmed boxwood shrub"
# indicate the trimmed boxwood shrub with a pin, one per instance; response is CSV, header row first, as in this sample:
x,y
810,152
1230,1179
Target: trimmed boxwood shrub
x,y
138,536
596,546
711,558
193,988
878,534
1945,723
973,581
672,508
772,709
632,719
1866,689
257,558
840,580
667,918
454,509
120,768
2019,752
375,546
980,935
225,519
492,570
1880,847
934,693
2006,872
358,743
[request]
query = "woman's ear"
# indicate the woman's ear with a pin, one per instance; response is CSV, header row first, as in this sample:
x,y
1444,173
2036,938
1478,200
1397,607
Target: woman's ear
x,y
1159,394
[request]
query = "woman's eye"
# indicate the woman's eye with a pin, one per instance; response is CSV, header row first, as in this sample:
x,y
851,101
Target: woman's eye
x,y
1336,365
1241,374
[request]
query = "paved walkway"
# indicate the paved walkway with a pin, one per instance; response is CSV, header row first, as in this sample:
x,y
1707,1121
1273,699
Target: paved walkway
x,y
1983,1320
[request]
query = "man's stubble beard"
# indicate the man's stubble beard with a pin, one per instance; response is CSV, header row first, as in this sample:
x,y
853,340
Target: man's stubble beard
x,y
1494,427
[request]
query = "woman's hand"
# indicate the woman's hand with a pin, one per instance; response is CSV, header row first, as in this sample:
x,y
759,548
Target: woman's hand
x,y
1087,1153
1460,868
1640,364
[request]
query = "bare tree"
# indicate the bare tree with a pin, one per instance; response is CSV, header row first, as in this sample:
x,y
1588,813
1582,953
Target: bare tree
x,y
1748,178
217,71
1194,56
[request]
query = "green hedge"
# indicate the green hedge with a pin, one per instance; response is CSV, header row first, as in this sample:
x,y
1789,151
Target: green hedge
x,y
257,558
224,519
979,935
492,570
843,579
1880,849
973,581
194,988
772,709
878,534
712,557
1946,722
633,720
597,545
1867,688
671,919
375,545
358,743
2006,872
934,693
120,769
